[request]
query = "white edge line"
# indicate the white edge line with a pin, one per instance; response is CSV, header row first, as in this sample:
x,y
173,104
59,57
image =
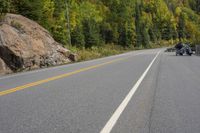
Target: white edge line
x,y
112,121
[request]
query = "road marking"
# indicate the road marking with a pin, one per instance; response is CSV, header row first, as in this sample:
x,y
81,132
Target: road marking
x,y
12,90
113,120
63,66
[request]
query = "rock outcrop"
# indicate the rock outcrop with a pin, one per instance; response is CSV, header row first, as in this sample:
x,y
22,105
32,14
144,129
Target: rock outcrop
x,y
25,45
4,68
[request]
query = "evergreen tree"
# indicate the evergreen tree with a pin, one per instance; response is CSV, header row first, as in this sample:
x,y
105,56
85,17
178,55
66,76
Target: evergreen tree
x,y
30,8
152,35
198,6
126,38
91,33
123,38
138,24
59,28
78,38
125,22
115,33
181,26
145,34
106,32
5,6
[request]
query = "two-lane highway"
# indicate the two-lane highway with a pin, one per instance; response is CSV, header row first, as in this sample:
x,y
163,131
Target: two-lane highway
x,y
137,92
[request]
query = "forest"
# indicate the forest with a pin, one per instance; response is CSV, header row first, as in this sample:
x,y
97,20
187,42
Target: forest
x,y
91,24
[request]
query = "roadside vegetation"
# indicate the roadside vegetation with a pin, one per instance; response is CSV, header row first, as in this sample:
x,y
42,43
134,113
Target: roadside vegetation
x,y
96,28
111,49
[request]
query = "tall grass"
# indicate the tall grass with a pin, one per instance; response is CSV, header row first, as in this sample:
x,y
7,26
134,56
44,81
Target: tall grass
x,y
109,49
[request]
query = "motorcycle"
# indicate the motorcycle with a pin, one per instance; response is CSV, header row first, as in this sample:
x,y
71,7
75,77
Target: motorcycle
x,y
180,51
186,49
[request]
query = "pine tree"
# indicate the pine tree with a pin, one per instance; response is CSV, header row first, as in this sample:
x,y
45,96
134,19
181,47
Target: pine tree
x,y
91,33
78,38
5,6
126,36
59,28
145,35
30,8
152,35
137,24
181,26
123,38
124,22
198,6
106,32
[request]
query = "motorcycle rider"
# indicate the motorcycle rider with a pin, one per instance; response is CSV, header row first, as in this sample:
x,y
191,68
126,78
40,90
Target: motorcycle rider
x,y
179,46
183,48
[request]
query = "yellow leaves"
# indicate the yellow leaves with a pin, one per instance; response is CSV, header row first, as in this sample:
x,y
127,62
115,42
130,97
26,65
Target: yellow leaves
x,y
73,22
86,11
147,19
103,10
178,11
48,8
62,16
173,22
90,11
193,31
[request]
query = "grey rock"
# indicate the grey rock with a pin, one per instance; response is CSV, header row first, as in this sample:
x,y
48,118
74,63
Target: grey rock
x,y
26,45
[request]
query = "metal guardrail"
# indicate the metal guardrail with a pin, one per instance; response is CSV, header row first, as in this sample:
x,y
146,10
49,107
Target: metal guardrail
x,y
197,50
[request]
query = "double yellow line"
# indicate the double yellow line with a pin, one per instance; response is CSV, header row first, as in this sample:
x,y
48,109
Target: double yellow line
x,y
12,90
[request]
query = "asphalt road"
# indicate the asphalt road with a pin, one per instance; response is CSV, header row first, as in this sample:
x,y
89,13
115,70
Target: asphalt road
x,y
145,91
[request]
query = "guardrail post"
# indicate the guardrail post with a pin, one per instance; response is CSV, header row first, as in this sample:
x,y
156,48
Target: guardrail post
x,y
197,50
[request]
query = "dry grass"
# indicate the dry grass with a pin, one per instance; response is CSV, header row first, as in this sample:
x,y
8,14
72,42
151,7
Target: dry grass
x,y
110,49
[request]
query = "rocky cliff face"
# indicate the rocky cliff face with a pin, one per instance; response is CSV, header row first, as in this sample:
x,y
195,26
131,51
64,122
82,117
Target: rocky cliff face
x,y
25,45
4,68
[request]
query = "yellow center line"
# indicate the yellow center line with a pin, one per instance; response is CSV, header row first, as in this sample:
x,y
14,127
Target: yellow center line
x,y
12,90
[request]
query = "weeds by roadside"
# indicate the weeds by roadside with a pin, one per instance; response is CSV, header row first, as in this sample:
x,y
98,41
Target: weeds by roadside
x,y
108,50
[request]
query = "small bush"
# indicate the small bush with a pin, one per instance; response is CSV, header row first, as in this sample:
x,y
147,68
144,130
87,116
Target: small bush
x,y
97,52
16,25
2,17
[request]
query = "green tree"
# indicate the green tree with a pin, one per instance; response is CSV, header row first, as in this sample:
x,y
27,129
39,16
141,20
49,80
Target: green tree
x,y
91,33
30,8
181,26
78,38
121,22
126,37
145,31
5,6
59,28
47,14
138,14
106,32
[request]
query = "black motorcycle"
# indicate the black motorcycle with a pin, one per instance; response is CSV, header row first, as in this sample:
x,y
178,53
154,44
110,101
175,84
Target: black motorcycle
x,y
182,49
188,50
